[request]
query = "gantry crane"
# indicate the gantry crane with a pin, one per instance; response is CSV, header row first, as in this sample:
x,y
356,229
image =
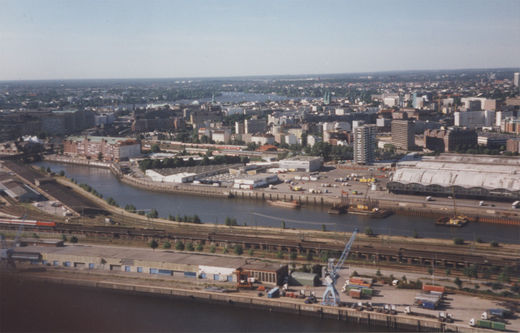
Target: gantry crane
x,y
331,295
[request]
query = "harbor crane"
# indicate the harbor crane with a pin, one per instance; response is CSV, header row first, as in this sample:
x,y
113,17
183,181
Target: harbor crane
x,y
331,295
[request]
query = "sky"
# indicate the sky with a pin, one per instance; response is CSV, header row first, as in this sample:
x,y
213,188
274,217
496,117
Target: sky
x,y
74,39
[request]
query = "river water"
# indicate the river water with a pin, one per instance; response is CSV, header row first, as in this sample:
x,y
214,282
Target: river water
x,y
259,213
30,306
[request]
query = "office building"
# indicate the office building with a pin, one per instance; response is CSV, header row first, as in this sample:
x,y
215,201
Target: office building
x,y
403,134
364,144
448,140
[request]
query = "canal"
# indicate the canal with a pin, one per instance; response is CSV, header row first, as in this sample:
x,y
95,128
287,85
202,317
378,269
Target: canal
x,y
259,213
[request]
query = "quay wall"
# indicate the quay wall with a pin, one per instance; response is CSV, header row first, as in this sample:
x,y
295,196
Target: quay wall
x,y
374,319
401,208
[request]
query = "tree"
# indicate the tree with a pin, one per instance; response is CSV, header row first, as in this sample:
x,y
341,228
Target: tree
x,y
283,225
323,227
494,244
369,231
458,282
250,252
153,244
279,255
155,148
100,156
238,249
212,248
293,255
153,213
324,256
74,239
179,245
189,246
199,247
167,245
63,237
62,173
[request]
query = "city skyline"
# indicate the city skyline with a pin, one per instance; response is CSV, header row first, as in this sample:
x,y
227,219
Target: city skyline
x,y
132,39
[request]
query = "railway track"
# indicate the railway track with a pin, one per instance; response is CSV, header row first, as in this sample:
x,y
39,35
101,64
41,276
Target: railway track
x,y
381,253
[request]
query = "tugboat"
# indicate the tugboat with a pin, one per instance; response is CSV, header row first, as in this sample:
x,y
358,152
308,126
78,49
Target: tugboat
x,y
285,204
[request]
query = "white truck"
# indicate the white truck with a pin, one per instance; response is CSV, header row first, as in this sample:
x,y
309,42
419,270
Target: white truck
x,y
516,204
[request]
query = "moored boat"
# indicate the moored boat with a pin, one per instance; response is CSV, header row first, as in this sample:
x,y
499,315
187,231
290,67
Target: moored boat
x,y
453,221
338,209
285,204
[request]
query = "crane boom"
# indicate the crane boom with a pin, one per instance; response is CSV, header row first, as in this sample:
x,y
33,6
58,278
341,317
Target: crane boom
x,y
345,253
331,295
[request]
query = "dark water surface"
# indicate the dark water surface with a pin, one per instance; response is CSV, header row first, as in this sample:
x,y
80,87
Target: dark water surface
x,y
259,213
29,306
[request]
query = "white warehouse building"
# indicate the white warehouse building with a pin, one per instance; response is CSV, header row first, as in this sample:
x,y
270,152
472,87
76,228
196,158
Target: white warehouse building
x,y
302,163
254,181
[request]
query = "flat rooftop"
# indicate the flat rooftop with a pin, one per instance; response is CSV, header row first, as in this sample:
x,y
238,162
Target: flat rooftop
x,y
142,254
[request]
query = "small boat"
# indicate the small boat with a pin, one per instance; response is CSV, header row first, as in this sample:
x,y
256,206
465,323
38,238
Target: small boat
x,y
285,204
454,221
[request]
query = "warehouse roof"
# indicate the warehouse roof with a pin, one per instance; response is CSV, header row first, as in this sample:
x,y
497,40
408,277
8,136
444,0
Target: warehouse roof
x,y
451,171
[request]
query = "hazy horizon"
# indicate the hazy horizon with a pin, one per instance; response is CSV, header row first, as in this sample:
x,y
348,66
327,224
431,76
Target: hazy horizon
x,y
114,39
303,75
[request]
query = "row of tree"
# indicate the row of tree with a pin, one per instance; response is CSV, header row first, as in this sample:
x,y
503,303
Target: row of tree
x,y
177,162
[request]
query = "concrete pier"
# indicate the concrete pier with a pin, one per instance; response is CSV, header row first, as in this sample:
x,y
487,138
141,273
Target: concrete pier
x,y
286,305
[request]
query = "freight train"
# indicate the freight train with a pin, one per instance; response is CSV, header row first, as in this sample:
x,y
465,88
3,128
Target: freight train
x,y
27,222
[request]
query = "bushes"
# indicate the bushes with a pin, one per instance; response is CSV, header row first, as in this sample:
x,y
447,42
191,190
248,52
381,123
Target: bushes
x,y
458,241
231,222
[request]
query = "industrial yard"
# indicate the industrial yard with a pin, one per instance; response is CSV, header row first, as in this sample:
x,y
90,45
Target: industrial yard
x,y
134,269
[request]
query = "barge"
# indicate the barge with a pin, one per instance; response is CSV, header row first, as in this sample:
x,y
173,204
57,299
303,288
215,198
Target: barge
x,y
285,204
455,221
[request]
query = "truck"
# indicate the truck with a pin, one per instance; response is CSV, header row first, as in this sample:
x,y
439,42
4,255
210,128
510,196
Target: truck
x,y
495,325
515,204
274,293
494,314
